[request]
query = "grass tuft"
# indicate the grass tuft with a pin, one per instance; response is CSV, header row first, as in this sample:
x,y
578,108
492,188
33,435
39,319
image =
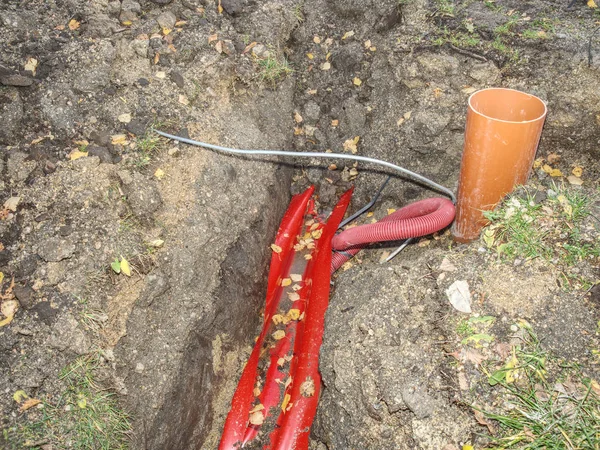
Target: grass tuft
x,y
273,68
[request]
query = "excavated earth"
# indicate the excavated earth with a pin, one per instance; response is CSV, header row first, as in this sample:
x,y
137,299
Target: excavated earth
x,y
96,76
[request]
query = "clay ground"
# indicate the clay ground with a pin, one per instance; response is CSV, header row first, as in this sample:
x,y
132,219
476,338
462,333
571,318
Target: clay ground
x,y
92,357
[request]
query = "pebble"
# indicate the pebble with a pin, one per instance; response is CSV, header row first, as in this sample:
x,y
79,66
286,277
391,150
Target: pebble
x,y
101,152
139,367
167,20
16,80
177,78
174,152
143,82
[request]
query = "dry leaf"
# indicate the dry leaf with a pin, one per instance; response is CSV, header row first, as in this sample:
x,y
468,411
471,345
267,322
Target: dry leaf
x,y
127,23
160,174
166,31
576,181
400,121
294,314
286,400
74,25
249,47
212,38
469,90
256,391
538,163
296,277
368,43
183,100
592,4
12,203
307,389
552,158
275,248
8,308
257,417
347,34
286,282
219,47
277,319
124,118
19,396
556,173
351,144
326,65
29,403
31,65
180,23
297,117
407,115
357,81
118,139
335,122
76,154
311,92
317,40
278,335
310,56
318,233
460,296
220,8
293,296
156,243
298,131
307,257
156,60
577,171
472,356
125,267
462,381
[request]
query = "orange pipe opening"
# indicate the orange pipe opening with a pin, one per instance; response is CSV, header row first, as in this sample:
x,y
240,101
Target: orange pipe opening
x,y
501,137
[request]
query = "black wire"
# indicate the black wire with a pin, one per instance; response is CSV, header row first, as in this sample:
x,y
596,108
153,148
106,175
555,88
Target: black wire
x,y
365,208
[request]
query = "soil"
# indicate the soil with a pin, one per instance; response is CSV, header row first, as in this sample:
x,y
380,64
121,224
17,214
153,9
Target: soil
x,y
95,76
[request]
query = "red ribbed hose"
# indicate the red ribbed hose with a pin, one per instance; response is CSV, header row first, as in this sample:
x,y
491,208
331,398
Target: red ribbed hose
x,y
417,219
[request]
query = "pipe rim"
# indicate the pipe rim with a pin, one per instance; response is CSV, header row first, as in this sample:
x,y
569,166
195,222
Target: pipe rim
x,y
541,117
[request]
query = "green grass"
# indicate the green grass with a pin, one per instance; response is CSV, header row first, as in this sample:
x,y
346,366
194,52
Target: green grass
x,y
544,402
82,417
444,7
272,68
145,147
552,229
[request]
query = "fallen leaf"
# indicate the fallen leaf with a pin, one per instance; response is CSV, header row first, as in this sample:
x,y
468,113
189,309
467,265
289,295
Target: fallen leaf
x,y
447,266
463,383
286,282
294,314
156,243
472,356
124,118
118,139
219,8
8,309
577,171
278,335
31,65
19,396
127,23
538,163
407,115
180,23
212,38
29,403
74,25
318,233
298,131
156,60
357,81
183,100
311,92
400,121
351,144
297,117
249,47
367,43
76,154
310,56
552,158
317,40
219,47
373,48
12,203
592,4
277,319
293,296
347,34
275,248
296,277
576,181
116,266
469,90
125,267
307,388
556,173
326,65
160,174
335,122
166,31
480,418
459,295
308,257
286,400
257,418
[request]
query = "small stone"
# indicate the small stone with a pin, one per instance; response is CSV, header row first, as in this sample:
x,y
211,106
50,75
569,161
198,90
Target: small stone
x,y
25,295
162,2
174,152
42,217
124,118
131,5
166,20
139,367
101,152
127,16
54,250
16,80
137,126
312,111
102,138
65,230
49,167
259,50
143,82
177,78
232,7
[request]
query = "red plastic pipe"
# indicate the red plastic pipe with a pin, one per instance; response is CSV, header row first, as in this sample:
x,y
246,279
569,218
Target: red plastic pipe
x,y
417,219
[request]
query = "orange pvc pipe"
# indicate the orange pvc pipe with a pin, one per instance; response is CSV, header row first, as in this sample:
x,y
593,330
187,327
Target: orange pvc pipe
x,y
501,137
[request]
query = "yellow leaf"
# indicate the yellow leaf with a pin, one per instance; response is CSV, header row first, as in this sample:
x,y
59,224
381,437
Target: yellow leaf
x,y
127,23
294,314
76,154
166,31
351,144
407,115
357,81
278,335
8,308
307,388
335,122
326,66
297,117
467,447
82,402
400,121
373,48
347,34
125,267
219,8
29,403
310,56
31,65
577,171
212,38
1,277
546,168
277,319
592,4
317,40
118,139
556,173
73,25
318,233
368,43
391,211
538,163
286,282
19,396
180,23
160,174
285,402
275,248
